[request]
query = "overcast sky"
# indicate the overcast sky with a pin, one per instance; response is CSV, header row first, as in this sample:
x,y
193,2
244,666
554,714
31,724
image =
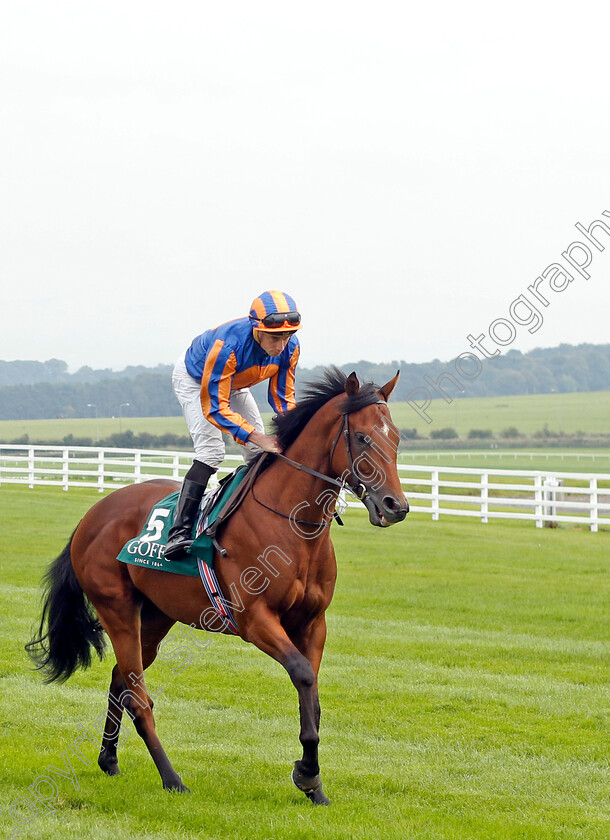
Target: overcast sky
x,y
404,170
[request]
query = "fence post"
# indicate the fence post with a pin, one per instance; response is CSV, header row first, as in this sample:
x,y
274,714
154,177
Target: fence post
x,y
100,471
138,468
594,511
176,467
549,495
538,499
484,497
435,500
31,461
65,469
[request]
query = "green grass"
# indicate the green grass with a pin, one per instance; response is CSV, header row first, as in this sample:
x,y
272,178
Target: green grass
x,y
463,688
588,412
568,413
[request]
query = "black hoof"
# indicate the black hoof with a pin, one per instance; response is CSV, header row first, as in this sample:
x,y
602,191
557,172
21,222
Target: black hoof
x,y
177,786
110,766
317,796
311,786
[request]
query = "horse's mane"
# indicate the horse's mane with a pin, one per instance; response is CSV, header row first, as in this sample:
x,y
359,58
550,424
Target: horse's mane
x,y
288,426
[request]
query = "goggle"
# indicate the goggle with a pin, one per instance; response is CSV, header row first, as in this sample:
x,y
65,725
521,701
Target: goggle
x,y
281,319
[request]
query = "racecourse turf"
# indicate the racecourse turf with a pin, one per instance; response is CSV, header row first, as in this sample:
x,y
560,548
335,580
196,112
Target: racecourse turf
x,y
464,693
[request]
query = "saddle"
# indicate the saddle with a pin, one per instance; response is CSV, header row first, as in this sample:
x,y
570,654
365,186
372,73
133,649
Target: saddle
x,y
213,516
148,548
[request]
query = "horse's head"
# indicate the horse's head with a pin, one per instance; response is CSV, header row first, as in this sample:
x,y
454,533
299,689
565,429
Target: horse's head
x,y
365,455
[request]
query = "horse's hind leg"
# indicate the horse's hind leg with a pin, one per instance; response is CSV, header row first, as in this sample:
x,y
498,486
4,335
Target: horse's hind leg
x,y
122,622
107,758
155,625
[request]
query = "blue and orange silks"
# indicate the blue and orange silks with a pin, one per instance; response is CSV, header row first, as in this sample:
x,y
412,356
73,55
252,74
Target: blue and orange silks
x,y
227,358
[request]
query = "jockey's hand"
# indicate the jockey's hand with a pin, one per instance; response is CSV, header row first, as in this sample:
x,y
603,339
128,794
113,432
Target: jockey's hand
x,y
268,443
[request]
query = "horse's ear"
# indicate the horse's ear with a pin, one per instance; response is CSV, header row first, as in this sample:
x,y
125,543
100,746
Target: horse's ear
x,y
389,387
351,384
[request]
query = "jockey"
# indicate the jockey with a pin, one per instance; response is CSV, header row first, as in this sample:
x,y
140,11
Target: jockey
x,y
212,381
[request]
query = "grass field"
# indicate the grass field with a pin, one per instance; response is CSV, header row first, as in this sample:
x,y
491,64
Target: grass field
x,y
588,412
567,413
464,692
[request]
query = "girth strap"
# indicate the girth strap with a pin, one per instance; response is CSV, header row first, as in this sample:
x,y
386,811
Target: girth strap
x,y
217,599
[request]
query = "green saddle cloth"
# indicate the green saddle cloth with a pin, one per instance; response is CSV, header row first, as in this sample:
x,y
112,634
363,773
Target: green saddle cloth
x,y
148,549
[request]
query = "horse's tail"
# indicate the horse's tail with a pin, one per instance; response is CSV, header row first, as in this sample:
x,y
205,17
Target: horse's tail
x,y
68,626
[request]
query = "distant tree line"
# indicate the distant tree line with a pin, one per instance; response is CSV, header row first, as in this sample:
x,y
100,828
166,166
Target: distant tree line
x,y
42,390
444,438
54,371
148,395
563,369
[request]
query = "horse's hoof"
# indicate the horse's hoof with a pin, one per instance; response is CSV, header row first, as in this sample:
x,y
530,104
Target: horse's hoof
x,y
177,786
317,796
109,766
311,786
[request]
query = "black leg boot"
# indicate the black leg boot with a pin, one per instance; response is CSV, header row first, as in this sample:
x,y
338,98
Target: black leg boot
x,y
180,535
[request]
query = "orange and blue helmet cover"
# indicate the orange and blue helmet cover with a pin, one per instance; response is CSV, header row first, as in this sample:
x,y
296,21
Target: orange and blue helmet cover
x,y
275,311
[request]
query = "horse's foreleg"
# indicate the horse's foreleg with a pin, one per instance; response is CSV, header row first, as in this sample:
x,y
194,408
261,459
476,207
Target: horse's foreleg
x,y
306,773
266,632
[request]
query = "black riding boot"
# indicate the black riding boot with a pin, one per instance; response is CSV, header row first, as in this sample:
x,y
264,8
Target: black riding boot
x,y
180,534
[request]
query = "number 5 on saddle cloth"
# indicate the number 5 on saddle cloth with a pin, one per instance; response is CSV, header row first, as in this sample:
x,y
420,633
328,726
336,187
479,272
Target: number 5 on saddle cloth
x,y
148,549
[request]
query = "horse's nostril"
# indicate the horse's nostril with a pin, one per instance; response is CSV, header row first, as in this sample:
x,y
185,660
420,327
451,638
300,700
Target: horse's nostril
x,y
394,508
391,504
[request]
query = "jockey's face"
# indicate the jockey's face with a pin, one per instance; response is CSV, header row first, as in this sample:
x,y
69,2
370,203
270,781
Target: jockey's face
x,y
272,343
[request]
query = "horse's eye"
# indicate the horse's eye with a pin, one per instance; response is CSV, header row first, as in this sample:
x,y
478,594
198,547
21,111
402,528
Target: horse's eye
x,y
362,438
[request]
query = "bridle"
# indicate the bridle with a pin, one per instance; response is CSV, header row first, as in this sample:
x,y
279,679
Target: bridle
x,y
357,487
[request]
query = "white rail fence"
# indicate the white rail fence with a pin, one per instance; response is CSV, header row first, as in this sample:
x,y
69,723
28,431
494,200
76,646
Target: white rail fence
x,y
544,497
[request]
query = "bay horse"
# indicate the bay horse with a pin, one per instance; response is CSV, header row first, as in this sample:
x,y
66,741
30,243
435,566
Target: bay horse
x,y
339,434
